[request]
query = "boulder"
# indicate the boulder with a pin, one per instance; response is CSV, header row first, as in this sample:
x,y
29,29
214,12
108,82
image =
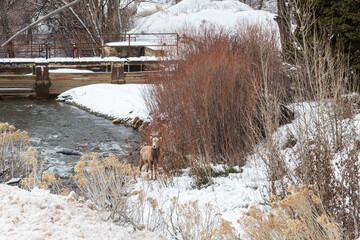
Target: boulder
x,y
116,121
137,123
128,123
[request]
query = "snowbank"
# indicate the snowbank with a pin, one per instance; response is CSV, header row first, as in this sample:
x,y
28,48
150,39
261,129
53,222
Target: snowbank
x,y
231,195
41,215
69,70
123,101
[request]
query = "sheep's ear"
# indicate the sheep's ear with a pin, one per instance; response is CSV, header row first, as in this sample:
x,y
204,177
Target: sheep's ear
x,y
150,138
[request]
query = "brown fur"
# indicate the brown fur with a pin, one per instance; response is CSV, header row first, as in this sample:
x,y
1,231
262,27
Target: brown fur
x,y
150,155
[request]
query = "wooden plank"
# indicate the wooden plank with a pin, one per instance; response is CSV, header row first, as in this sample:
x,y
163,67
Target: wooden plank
x,y
102,74
18,77
2,83
99,78
17,92
16,86
80,79
25,94
79,74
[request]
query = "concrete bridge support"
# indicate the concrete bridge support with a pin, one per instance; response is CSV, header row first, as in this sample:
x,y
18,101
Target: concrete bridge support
x,y
43,83
117,73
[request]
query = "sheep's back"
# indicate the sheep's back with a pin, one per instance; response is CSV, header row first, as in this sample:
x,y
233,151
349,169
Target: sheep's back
x,y
146,153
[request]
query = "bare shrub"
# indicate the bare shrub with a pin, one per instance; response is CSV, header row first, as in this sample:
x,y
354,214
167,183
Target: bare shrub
x,y
18,159
204,106
107,182
147,211
324,131
13,145
193,221
301,215
201,173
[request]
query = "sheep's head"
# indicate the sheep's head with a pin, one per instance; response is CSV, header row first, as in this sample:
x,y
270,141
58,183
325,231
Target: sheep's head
x,y
155,142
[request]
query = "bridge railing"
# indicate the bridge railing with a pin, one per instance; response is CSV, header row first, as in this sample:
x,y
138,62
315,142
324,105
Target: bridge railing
x,y
79,45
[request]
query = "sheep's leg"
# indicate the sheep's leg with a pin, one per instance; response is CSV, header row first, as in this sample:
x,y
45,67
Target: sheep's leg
x,y
141,164
152,170
155,170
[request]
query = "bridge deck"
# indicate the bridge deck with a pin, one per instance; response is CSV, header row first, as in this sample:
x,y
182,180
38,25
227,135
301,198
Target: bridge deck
x,y
112,70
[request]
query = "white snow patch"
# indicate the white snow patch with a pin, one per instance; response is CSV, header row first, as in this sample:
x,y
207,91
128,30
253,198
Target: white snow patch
x,y
41,215
118,101
69,70
152,45
231,195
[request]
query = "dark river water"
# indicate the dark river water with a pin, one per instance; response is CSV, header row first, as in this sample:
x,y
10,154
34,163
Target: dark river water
x,y
53,126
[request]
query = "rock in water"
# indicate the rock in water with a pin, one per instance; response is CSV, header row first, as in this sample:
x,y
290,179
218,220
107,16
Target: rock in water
x,y
69,152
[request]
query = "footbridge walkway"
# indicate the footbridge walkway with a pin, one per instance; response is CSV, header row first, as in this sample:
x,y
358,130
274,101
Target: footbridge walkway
x,y
42,65
40,77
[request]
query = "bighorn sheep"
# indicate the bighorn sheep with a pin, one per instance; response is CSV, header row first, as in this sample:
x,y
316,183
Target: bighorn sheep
x,y
150,155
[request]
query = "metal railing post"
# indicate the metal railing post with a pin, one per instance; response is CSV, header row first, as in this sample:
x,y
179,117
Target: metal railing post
x,y
129,46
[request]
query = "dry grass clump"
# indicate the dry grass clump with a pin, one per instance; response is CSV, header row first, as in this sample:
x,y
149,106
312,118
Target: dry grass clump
x,y
193,221
13,144
19,160
107,182
301,215
183,221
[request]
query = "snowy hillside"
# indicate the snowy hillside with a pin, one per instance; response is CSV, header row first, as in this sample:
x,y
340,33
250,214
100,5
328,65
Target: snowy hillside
x,y
226,14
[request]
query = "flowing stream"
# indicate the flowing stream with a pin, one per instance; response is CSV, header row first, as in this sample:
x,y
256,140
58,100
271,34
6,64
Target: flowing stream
x,y
54,126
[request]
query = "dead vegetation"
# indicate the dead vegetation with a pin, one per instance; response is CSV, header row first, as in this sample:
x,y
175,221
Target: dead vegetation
x,y
205,106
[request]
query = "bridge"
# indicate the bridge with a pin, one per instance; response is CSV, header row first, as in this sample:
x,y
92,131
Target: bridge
x,y
37,68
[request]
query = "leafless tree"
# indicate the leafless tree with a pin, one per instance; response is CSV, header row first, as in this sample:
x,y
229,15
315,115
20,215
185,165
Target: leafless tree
x,y
88,22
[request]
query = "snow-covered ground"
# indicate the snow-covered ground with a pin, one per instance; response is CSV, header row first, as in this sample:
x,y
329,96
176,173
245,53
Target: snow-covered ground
x,y
231,195
123,101
41,215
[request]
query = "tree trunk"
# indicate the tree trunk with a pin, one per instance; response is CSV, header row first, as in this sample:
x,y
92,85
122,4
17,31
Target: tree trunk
x,y
6,27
